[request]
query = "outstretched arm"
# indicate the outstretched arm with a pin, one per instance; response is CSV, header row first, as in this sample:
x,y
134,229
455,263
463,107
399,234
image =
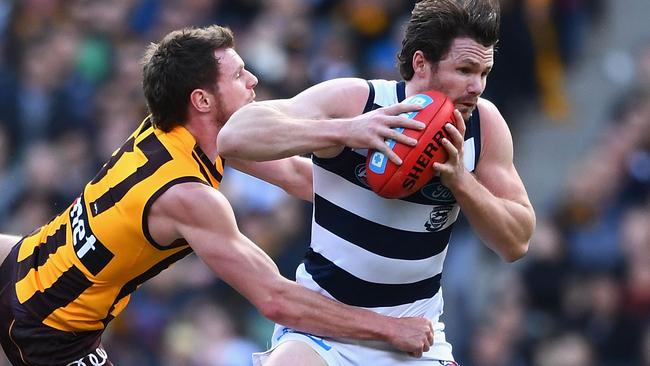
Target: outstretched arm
x,y
6,243
322,119
494,199
203,217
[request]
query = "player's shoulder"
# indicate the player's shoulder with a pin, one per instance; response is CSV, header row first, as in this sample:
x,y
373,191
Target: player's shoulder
x,y
335,98
490,115
487,109
354,84
495,133
339,86
347,90
185,198
187,206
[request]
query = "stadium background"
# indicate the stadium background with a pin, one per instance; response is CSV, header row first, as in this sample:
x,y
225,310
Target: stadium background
x,y
571,77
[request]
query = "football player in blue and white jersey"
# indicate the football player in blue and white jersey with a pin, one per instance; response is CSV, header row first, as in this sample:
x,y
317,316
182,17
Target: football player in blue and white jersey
x,y
387,255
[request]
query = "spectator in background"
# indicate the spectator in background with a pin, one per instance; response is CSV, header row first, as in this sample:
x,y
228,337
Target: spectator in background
x,y
565,350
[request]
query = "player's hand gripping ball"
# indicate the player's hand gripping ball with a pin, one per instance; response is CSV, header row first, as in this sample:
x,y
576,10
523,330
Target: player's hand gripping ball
x,y
397,181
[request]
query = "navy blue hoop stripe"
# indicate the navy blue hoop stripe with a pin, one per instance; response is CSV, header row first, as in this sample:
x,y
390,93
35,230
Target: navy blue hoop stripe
x,y
377,238
354,291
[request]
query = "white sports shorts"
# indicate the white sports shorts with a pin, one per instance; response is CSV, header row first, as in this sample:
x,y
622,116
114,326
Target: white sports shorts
x,y
359,353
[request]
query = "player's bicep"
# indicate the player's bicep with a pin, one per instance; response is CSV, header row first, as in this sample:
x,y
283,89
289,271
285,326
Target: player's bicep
x,y
205,219
503,181
208,225
337,98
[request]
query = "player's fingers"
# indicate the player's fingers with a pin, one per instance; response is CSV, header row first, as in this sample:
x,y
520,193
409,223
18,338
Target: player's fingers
x,y
402,108
399,121
442,168
416,354
429,331
452,151
401,138
389,153
454,134
394,157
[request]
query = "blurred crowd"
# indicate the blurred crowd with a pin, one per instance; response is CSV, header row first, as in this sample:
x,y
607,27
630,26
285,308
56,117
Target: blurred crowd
x,y
70,94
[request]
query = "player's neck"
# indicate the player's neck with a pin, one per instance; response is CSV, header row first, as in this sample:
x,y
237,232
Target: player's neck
x,y
415,86
205,134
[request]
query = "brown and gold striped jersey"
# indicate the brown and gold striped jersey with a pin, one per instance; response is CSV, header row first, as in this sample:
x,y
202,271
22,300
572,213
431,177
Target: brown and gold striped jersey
x,y
77,272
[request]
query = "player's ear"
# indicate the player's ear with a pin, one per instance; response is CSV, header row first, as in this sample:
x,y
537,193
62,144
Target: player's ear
x,y
200,100
420,63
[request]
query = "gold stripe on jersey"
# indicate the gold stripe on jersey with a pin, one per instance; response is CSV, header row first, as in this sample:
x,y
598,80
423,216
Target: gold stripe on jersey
x,y
74,315
41,279
31,246
36,258
78,271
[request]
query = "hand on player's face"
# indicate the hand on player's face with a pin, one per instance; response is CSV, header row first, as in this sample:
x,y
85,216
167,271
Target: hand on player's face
x,y
451,170
370,130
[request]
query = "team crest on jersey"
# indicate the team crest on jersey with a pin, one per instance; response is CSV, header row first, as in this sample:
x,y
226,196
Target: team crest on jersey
x,y
360,173
438,217
438,193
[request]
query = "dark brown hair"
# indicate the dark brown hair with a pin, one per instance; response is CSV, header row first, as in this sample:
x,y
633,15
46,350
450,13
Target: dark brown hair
x,y
434,24
182,61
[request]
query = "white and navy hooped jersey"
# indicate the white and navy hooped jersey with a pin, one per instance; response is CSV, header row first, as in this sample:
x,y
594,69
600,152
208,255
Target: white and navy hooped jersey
x,y
377,253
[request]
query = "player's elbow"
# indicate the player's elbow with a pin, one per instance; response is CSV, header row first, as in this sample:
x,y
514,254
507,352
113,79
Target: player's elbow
x,y
510,248
519,239
515,252
272,310
275,307
302,191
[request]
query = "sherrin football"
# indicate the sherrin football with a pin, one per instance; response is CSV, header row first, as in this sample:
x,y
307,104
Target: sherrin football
x,y
392,181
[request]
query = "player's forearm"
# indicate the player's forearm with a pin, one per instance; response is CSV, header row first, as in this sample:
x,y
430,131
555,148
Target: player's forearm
x,y
305,310
261,132
287,303
505,226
